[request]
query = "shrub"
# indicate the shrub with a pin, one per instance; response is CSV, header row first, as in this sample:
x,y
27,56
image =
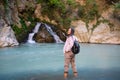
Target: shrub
x,y
117,5
81,11
116,13
58,10
89,11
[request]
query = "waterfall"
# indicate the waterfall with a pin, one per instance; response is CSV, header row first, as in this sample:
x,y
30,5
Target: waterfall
x,y
30,37
56,37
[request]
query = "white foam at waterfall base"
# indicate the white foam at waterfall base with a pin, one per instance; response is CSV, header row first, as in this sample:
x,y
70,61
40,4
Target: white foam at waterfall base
x,y
56,37
30,37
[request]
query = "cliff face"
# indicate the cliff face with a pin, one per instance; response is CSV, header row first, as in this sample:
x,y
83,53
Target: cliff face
x,y
8,16
95,21
105,29
12,21
7,37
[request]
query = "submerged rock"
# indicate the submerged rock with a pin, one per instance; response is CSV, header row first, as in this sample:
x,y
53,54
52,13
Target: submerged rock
x,y
7,37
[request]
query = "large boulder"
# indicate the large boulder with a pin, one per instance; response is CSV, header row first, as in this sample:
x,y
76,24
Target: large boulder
x,y
61,34
101,34
43,35
7,37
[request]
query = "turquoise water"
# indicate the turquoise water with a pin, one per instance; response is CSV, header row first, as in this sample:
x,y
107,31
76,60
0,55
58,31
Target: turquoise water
x,y
46,61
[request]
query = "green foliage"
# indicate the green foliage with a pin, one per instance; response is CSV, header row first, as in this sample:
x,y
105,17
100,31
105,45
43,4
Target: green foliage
x,y
6,6
94,26
93,12
16,30
103,21
81,11
87,24
42,1
24,27
116,12
71,2
22,33
89,11
28,15
67,22
52,4
117,5
58,10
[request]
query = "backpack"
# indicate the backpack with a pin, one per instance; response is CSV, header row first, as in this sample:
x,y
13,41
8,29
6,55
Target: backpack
x,y
76,47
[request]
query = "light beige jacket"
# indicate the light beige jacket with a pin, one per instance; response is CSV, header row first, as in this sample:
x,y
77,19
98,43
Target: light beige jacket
x,y
69,43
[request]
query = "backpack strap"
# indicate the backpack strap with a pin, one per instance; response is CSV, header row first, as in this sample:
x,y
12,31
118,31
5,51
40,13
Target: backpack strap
x,y
73,38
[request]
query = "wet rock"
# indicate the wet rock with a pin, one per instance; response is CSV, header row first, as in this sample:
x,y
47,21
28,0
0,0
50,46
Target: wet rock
x,y
61,35
43,36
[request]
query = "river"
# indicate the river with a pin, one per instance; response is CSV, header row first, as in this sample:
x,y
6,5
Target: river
x,y
45,61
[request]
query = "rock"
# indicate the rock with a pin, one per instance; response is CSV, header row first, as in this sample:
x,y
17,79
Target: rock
x,y
44,36
14,15
21,5
81,2
7,37
101,34
61,35
81,31
112,38
117,14
113,18
2,23
25,4
98,35
41,17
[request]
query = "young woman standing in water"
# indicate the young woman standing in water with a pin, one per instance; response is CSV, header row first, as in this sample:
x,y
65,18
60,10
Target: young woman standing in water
x,y
69,56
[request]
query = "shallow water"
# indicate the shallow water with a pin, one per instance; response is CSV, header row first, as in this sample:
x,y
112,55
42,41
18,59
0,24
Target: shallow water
x,y
46,61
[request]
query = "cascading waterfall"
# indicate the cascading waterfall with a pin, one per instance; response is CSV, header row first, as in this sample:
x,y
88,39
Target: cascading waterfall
x,y
30,37
56,37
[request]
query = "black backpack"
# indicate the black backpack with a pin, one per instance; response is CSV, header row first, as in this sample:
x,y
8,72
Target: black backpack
x,y
76,47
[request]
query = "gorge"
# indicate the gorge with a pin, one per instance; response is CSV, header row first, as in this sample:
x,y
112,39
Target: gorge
x,y
100,24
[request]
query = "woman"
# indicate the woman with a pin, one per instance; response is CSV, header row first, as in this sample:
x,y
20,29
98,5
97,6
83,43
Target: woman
x,y
68,54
